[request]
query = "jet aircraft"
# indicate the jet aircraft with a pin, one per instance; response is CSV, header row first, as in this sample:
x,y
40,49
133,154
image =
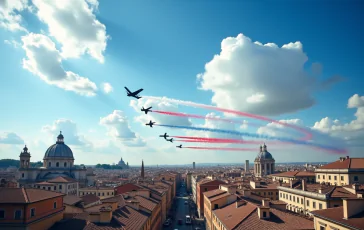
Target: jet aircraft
x,y
151,123
170,140
146,110
179,146
133,94
165,136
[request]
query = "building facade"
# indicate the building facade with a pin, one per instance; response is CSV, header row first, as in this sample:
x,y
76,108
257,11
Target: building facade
x,y
58,161
264,163
205,185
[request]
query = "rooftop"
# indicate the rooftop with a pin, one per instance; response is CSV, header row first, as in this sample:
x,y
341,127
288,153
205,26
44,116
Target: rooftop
x,y
26,195
346,163
294,174
336,214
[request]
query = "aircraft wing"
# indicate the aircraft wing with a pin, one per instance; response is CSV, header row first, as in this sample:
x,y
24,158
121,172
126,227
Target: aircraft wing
x,y
127,90
138,91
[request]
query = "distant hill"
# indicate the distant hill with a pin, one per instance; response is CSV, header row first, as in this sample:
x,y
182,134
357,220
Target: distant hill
x,y
4,163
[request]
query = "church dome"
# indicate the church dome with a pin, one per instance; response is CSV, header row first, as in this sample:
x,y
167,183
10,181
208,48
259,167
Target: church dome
x,y
59,150
264,154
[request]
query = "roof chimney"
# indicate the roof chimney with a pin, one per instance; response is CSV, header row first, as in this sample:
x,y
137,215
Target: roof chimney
x,y
347,157
352,207
304,188
356,187
265,202
264,210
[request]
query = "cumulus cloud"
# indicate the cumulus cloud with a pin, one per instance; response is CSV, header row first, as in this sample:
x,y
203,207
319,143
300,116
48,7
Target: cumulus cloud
x,y
69,131
11,139
353,131
262,79
10,19
44,60
158,118
275,129
107,87
74,25
118,125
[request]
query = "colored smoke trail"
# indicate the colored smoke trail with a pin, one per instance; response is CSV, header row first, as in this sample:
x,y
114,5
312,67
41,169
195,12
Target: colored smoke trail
x,y
328,148
308,135
221,149
223,140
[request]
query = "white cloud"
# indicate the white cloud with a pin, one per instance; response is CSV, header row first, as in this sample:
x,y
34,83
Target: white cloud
x,y
10,18
262,79
276,129
118,125
158,118
44,60
353,131
74,25
69,131
11,139
107,87
12,43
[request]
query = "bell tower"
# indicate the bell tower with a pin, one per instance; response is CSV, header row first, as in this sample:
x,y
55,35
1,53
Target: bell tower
x,y
25,158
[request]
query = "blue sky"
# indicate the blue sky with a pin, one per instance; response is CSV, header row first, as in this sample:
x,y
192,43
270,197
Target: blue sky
x,y
162,47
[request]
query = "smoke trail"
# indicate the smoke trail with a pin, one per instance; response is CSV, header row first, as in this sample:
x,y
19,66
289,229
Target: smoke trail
x,y
223,140
328,148
218,148
197,105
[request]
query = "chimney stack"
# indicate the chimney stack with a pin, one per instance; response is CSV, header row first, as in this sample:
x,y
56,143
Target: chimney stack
x,y
304,188
265,202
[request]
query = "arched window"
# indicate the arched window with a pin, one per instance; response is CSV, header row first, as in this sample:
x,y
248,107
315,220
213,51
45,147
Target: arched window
x,y
49,164
57,164
65,164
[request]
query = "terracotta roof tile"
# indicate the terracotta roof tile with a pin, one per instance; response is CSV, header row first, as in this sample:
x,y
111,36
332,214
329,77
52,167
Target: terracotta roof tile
x,y
337,214
118,198
340,192
71,200
351,163
231,216
26,195
89,198
130,218
146,203
62,179
214,192
279,220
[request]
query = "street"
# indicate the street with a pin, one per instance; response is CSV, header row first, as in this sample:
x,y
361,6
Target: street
x,y
183,209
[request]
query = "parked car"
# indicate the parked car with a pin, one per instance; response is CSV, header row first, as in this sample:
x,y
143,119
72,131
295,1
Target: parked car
x,y
188,219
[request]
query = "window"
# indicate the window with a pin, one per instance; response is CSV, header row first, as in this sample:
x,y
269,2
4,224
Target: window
x,y
314,204
49,188
318,176
308,203
323,177
335,177
356,178
49,164
22,175
264,193
342,178
2,214
290,197
98,194
301,200
281,195
60,187
55,205
336,205
32,212
329,177
38,186
17,214
57,164
216,206
264,214
320,206
112,193
277,193
294,199
107,193
205,189
55,187
65,164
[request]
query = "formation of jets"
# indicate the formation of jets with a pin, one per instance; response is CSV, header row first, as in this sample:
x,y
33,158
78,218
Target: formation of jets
x,y
151,123
146,110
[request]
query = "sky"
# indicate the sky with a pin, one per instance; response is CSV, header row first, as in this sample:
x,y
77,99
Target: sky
x,y
64,65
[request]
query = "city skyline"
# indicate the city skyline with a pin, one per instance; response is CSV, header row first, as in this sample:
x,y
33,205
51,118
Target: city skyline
x,y
59,75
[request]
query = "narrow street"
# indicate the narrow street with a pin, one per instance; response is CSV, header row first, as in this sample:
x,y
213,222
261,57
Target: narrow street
x,y
184,207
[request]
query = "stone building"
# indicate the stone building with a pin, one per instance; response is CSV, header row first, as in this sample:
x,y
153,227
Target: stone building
x,y
58,161
122,164
264,163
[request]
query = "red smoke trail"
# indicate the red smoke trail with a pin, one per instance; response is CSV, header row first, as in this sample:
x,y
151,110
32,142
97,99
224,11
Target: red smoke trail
x,y
308,135
223,140
223,149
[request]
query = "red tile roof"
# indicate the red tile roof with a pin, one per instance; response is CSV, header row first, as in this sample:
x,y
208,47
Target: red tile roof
x,y
214,192
130,218
89,198
279,220
71,200
25,195
146,203
351,163
231,216
295,174
337,214
62,179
